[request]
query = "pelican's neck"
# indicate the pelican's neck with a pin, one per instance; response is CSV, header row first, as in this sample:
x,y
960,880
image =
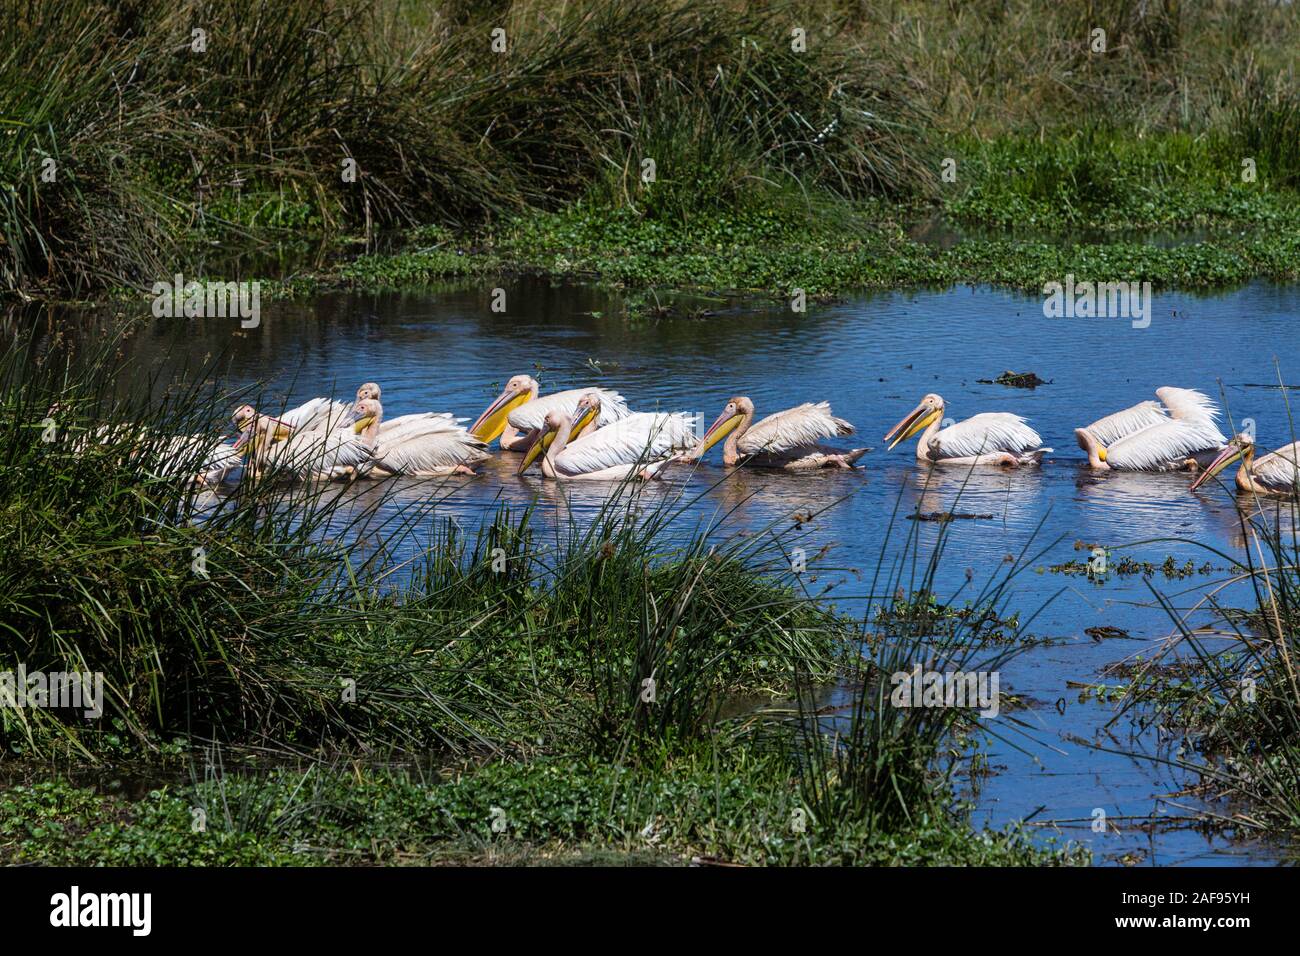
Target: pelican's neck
x,y
557,445
1088,442
263,433
370,434
731,448
923,443
1245,475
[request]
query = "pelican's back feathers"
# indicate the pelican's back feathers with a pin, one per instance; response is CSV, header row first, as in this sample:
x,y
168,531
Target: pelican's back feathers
x,y
1163,446
640,437
533,414
318,414
1112,428
985,434
795,428
1188,405
433,443
1279,469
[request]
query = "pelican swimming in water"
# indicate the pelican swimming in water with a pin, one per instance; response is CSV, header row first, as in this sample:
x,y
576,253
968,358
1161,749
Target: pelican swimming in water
x,y
990,438
205,461
279,450
790,439
1149,437
517,415
1276,474
317,414
638,445
421,447
390,426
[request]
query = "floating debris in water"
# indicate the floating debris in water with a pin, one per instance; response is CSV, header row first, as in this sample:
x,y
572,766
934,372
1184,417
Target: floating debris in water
x,y
946,516
1015,380
1105,631
1126,565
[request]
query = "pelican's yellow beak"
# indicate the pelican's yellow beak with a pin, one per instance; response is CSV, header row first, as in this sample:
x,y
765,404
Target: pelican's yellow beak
x,y
538,447
918,419
361,424
586,420
493,421
1226,457
722,426
1101,454
281,433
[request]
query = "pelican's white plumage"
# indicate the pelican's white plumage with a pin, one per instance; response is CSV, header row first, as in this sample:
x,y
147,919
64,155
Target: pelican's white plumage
x,y
434,445
1164,447
390,428
794,429
789,439
640,442
532,415
983,434
318,414
1279,470
1187,404
990,438
1149,437
317,454
1112,428
181,454
393,428
321,453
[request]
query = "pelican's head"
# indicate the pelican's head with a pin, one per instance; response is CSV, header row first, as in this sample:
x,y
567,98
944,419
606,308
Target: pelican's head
x,y
551,426
918,419
738,407
490,425
244,416
1096,451
365,413
368,390
585,415
1239,446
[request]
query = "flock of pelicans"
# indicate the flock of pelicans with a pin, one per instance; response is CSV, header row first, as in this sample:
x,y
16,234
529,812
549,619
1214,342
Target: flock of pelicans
x,y
590,433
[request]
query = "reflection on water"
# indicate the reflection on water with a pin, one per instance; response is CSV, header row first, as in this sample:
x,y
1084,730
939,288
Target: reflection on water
x,y
872,358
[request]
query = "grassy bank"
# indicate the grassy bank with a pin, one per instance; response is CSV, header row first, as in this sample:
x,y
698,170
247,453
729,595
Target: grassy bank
x,y
733,808
708,146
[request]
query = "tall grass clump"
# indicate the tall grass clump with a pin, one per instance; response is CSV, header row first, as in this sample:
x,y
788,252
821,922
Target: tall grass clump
x,y
162,136
1266,127
98,573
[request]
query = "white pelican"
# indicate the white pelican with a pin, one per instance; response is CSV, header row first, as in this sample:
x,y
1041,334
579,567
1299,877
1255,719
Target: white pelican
x,y
518,409
1148,437
316,454
790,439
1277,473
420,447
390,426
637,445
990,438
317,414
219,460
174,456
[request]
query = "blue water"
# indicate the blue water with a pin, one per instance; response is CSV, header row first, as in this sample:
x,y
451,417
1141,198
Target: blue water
x,y
873,357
